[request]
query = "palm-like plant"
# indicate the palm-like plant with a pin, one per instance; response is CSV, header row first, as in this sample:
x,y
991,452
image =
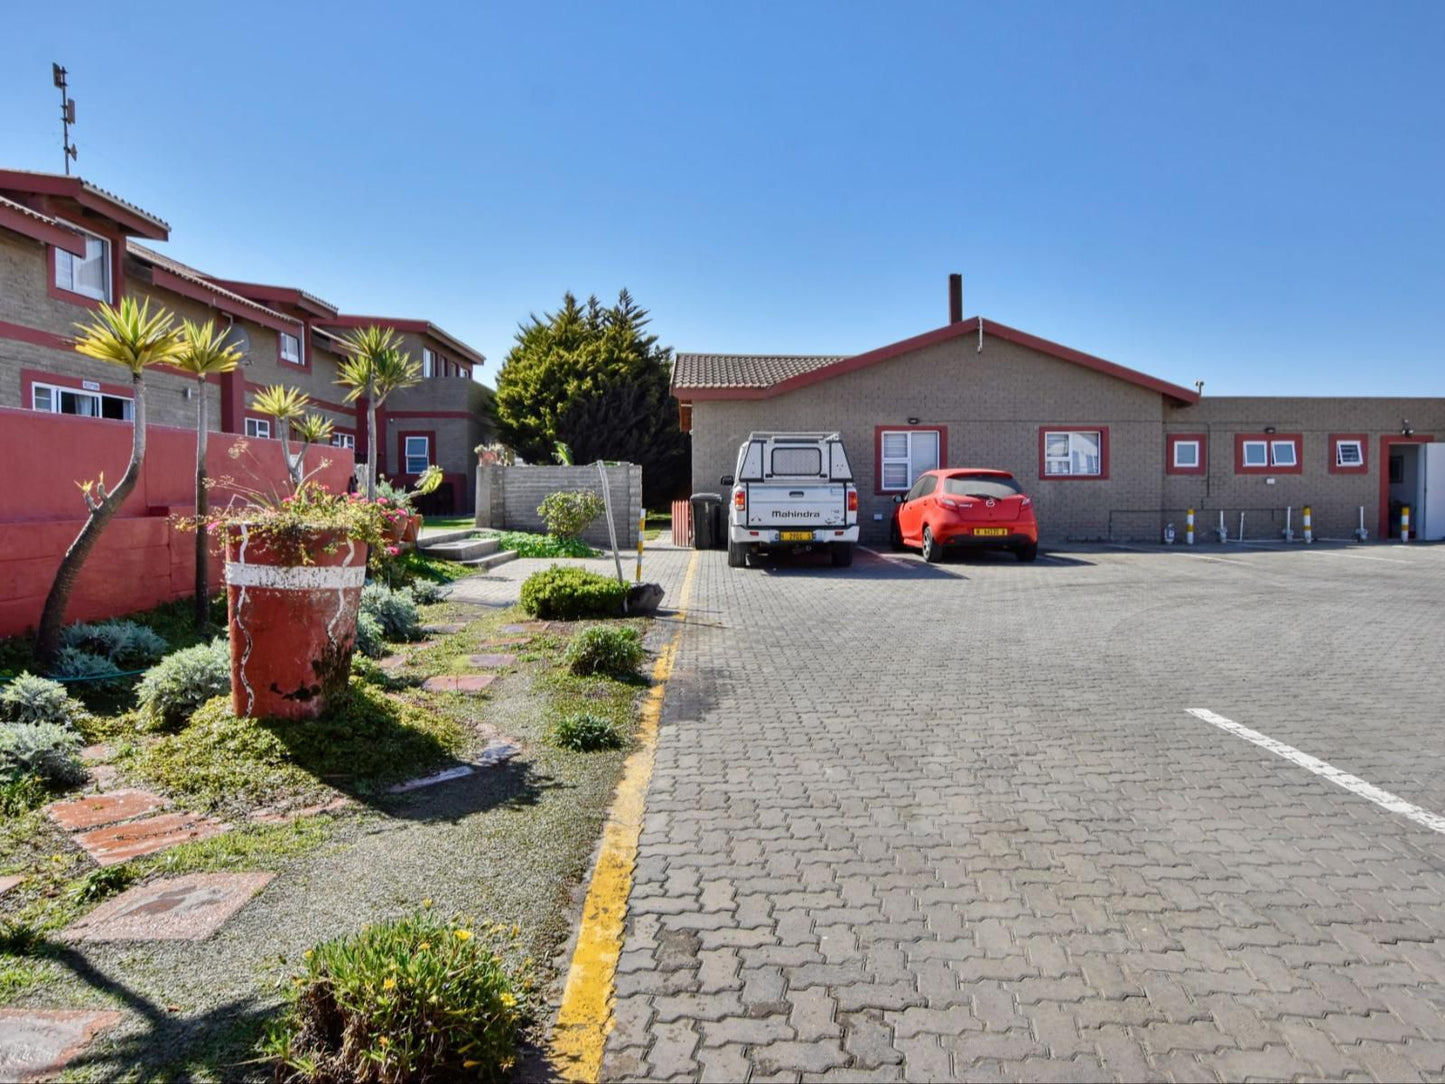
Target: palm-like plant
x,y
132,337
205,352
375,366
286,406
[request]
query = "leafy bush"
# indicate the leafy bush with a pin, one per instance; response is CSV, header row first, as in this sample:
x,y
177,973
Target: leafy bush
x,y
45,750
20,796
567,593
395,611
569,513
124,643
31,699
100,883
526,544
586,733
369,638
425,593
183,681
76,662
411,999
599,649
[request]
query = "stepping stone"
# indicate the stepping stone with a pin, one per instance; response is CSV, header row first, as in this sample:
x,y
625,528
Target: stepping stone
x,y
37,1043
528,627
7,883
492,662
496,752
118,805
102,778
109,846
510,641
442,630
458,683
96,754
392,663
173,909
286,816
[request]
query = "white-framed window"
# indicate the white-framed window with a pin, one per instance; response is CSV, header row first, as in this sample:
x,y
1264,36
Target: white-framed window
x,y
1254,453
1349,453
291,349
1073,452
904,454
87,275
1186,454
260,428
417,454
343,440
85,403
428,363
1282,454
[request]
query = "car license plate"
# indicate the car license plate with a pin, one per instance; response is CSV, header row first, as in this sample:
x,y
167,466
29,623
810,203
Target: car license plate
x,y
991,531
795,536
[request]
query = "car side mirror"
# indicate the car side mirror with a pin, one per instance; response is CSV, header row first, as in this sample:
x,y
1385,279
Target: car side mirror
x,y
726,479
897,498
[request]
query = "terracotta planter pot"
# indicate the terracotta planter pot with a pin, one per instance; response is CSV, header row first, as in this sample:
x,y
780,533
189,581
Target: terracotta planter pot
x,y
413,528
292,622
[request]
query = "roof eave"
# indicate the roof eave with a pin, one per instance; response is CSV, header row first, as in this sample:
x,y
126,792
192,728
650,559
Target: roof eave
x,y
41,228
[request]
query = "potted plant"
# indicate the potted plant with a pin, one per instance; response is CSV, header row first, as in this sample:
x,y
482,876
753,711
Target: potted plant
x,y
294,571
403,500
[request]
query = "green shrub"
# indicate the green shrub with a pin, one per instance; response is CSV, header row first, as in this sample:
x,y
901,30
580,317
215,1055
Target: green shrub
x,y
411,999
100,883
527,544
394,610
76,662
586,733
48,751
183,681
125,643
370,641
20,796
569,513
31,699
425,592
601,649
567,593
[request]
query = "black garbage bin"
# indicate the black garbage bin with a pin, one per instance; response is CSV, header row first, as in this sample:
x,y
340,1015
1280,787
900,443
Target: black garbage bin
x,y
705,520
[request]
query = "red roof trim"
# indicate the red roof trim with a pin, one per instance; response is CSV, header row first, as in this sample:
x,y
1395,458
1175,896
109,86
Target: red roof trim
x,y
286,295
418,327
166,280
130,218
941,335
41,228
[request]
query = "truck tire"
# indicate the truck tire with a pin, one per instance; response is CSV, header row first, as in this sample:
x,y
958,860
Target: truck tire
x,y
842,554
932,551
737,555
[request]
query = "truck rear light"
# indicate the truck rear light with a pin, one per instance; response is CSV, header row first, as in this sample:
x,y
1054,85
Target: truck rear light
x,y
852,500
740,499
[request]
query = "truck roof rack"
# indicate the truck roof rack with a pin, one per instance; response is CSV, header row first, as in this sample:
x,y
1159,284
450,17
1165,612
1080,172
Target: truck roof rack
x,y
796,436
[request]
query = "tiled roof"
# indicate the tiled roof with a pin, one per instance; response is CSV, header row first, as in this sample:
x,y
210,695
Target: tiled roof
x,y
101,192
744,370
30,212
191,275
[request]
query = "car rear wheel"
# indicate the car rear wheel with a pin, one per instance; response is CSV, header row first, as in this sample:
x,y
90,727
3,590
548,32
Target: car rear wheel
x,y
932,551
842,554
1027,553
895,536
737,555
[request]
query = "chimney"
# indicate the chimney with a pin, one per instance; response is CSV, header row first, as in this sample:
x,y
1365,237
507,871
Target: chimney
x,y
955,299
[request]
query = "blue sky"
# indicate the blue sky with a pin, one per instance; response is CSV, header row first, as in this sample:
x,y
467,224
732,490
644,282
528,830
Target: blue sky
x,y
1248,194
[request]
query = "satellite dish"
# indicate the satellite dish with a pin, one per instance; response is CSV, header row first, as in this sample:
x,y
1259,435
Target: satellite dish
x,y
237,338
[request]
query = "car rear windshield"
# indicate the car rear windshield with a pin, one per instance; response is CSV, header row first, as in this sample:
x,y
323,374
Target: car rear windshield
x,y
975,485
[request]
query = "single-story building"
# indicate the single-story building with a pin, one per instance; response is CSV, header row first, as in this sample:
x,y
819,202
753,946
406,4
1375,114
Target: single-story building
x,y
1106,452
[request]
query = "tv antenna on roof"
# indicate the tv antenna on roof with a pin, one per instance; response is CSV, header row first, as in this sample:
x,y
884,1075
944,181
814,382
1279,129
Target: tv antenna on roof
x,y
67,113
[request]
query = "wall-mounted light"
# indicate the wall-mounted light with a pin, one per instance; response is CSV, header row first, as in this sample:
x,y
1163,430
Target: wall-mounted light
x,y
1406,429
912,421
188,390
1269,429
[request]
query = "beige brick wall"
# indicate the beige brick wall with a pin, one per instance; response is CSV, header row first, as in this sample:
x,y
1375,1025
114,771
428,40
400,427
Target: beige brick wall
x,y
507,498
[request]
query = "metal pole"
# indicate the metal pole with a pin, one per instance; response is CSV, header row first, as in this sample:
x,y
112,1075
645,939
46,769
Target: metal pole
x,y
641,526
611,527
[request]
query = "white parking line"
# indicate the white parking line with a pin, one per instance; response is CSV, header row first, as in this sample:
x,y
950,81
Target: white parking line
x,y
1182,553
1352,783
1357,557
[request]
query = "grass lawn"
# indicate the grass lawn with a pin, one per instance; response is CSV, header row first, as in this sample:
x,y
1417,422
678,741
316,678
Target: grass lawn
x,y
656,524
507,844
448,523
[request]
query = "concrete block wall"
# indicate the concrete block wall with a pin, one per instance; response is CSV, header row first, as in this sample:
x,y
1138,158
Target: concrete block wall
x,y
507,498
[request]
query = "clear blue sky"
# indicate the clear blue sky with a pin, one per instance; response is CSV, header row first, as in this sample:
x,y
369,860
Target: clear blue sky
x,y
1248,194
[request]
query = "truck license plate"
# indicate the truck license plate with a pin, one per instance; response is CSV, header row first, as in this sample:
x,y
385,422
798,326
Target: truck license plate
x,y
795,536
991,531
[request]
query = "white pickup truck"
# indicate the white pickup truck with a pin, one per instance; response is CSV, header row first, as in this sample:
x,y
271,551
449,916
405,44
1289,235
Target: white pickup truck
x,y
792,491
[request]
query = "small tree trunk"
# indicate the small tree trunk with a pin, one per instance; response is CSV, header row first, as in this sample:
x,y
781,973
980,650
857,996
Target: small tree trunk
x,y
371,448
203,504
52,617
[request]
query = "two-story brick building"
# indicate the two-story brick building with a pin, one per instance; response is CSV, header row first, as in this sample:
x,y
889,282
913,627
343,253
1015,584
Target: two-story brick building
x,y
66,246
1106,452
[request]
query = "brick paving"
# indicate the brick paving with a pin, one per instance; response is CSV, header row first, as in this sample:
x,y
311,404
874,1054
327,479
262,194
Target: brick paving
x,y
35,1044
172,909
93,811
931,823
109,846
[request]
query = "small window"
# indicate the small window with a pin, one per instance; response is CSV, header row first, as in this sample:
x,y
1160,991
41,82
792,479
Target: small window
x,y
343,440
418,454
290,348
904,454
797,462
1186,453
51,399
87,275
1349,453
1073,453
428,363
1256,453
260,428
1282,454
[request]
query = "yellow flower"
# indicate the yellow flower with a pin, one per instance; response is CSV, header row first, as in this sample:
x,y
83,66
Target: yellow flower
x,y
464,935
426,903
470,1064
508,1000
308,954
384,1041
423,946
389,984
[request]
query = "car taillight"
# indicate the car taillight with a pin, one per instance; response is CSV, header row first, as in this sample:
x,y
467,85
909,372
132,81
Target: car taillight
x,y
1026,503
740,499
852,500
947,503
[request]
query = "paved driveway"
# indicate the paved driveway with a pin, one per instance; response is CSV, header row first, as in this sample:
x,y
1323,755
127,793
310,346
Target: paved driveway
x,y
927,823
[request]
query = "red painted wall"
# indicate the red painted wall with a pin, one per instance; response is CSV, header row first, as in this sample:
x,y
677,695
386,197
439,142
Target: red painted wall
x,y
140,560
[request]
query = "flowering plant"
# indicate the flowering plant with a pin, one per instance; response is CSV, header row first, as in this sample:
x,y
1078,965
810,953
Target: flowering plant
x,y
292,523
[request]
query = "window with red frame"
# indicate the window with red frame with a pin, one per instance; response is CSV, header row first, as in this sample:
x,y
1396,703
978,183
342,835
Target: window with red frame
x,y
1185,453
1348,454
1268,453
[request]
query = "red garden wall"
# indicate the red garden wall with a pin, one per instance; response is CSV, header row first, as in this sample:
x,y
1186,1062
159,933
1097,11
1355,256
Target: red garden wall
x,y
141,560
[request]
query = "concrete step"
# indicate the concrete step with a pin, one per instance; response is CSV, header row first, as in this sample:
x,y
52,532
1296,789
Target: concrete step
x,y
492,560
436,538
463,550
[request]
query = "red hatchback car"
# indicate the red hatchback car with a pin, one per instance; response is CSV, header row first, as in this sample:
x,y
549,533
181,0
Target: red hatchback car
x,y
965,507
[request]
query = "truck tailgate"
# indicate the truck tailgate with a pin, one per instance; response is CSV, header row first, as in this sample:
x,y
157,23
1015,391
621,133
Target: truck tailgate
x,y
797,506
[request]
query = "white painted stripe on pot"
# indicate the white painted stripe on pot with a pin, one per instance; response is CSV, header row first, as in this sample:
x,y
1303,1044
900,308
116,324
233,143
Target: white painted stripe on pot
x,y
295,577
1352,783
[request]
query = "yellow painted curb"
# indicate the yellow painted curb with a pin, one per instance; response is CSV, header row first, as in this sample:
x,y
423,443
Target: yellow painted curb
x,y
585,1017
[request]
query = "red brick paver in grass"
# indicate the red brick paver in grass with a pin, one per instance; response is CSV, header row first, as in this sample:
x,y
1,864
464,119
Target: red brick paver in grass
x,y
117,805
492,662
108,846
458,683
35,1044
173,909
7,883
